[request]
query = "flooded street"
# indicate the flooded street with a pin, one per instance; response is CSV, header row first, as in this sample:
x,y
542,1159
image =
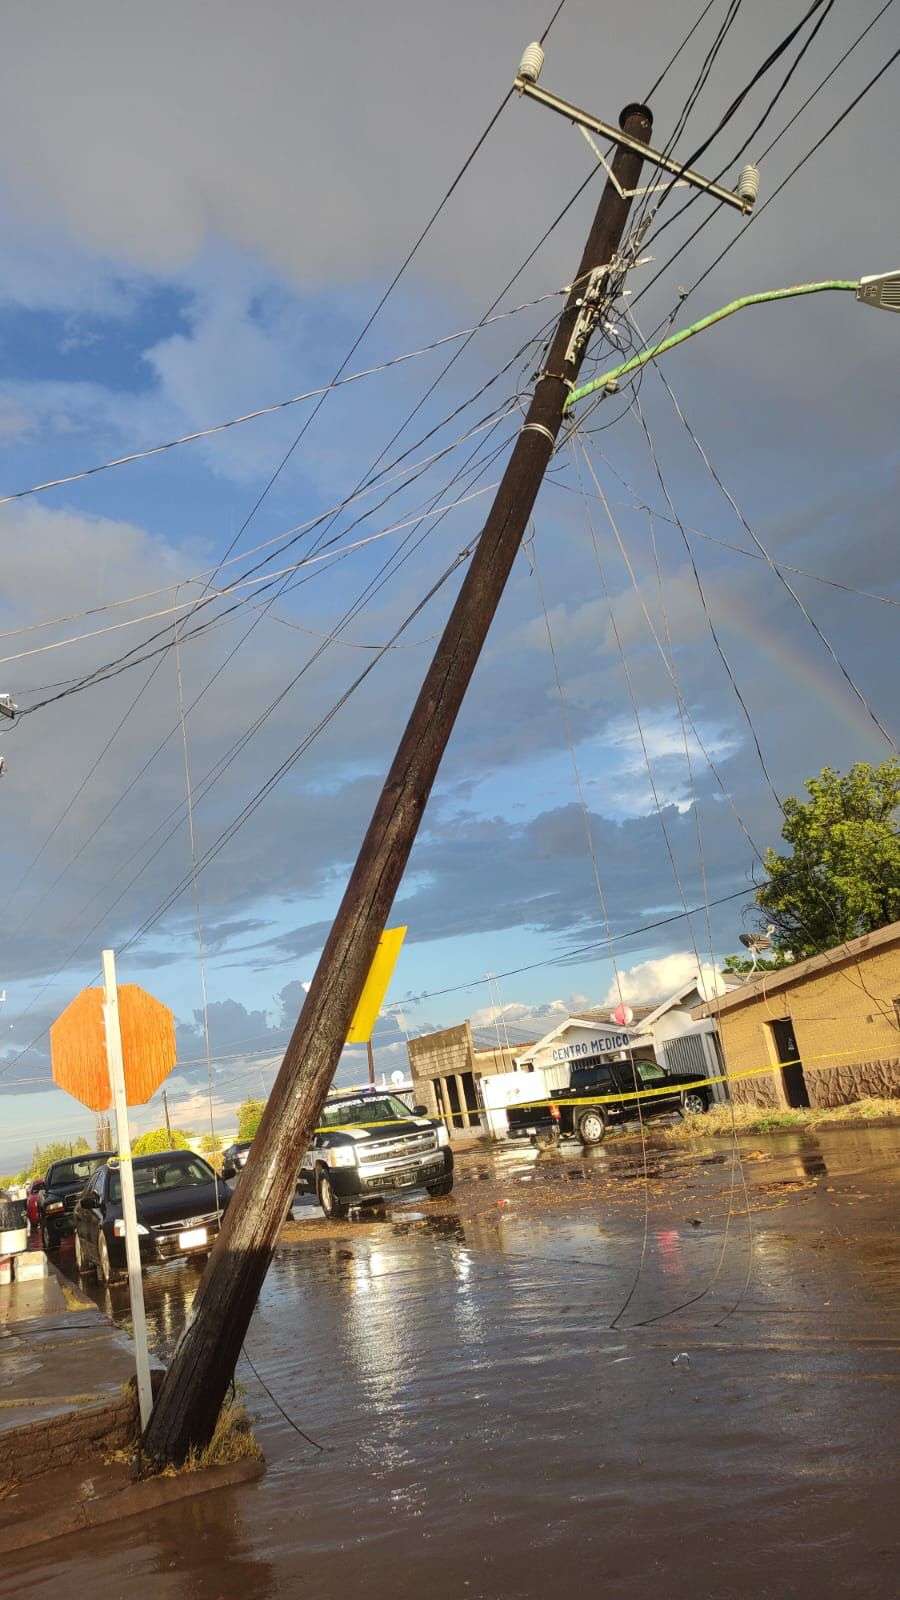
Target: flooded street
x,y
556,1376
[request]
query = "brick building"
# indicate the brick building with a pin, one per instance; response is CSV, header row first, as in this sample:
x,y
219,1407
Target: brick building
x,y
446,1069
827,1029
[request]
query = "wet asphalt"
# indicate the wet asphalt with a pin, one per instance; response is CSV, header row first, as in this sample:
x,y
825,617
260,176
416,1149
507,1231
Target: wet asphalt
x,y
559,1378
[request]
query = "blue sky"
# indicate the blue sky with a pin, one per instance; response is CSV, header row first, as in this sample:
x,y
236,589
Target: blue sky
x,y
192,233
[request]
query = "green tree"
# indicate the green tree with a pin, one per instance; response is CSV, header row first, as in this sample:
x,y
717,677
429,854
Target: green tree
x,y
211,1148
43,1155
842,877
159,1139
249,1118
744,964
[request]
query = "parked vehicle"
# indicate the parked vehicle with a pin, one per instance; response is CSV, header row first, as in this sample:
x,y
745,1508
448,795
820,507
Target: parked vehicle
x,y
569,1111
179,1202
32,1201
368,1145
234,1158
62,1186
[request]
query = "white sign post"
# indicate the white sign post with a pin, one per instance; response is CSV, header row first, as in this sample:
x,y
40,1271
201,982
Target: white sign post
x,y
126,1176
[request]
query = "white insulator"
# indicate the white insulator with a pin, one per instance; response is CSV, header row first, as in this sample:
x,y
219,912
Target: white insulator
x,y
531,63
748,184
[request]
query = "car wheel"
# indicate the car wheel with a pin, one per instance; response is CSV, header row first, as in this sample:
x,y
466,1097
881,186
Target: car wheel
x,y
592,1127
106,1272
47,1240
443,1186
693,1104
331,1205
83,1264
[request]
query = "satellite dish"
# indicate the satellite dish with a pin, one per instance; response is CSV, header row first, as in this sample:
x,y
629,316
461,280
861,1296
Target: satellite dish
x,y
623,1015
397,1078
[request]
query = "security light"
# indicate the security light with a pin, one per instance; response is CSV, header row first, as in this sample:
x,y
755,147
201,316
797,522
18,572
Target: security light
x,y
8,707
881,290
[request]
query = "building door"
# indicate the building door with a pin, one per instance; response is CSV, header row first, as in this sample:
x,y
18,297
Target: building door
x,y
792,1079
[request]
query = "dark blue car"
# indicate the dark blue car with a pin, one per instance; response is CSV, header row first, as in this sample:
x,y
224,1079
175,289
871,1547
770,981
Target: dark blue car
x,y
179,1202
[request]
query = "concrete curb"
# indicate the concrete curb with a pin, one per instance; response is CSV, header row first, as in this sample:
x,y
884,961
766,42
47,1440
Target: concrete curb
x,y
151,1494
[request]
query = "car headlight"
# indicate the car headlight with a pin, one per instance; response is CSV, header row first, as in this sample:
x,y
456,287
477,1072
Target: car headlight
x,y
55,1205
119,1228
342,1155
443,1136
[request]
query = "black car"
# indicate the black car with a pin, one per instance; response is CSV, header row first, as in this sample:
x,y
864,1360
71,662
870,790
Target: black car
x,y
179,1202
569,1110
234,1158
62,1186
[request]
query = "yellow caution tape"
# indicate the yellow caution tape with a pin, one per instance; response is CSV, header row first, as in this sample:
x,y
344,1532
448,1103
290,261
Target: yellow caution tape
x,y
561,1097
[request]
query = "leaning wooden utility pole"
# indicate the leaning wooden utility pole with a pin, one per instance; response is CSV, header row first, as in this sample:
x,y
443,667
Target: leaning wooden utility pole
x,y
192,1392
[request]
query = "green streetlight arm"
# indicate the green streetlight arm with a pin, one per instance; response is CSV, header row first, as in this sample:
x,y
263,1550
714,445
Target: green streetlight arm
x,y
698,327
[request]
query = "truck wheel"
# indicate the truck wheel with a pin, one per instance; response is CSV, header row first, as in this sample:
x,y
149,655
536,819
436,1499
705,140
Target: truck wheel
x,y
592,1126
47,1240
693,1104
443,1186
332,1206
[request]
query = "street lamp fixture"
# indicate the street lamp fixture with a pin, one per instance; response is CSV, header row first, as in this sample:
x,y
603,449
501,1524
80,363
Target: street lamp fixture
x,y
881,290
8,707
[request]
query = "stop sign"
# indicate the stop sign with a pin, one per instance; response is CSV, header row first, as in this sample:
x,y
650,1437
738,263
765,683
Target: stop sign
x,y
78,1047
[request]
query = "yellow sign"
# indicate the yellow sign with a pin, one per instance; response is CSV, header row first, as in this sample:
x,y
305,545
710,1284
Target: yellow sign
x,y
380,974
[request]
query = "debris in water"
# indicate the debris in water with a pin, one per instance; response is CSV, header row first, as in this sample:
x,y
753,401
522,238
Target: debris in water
x,y
682,1359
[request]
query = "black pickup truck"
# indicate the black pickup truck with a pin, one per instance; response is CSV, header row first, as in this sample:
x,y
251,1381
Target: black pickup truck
x,y
569,1111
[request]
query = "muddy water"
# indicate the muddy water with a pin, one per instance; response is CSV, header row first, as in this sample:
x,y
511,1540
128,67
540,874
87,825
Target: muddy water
x,y
481,1429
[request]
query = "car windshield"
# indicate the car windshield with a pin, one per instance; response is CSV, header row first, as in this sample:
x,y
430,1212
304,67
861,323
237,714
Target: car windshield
x,y
166,1172
344,1113
76,1171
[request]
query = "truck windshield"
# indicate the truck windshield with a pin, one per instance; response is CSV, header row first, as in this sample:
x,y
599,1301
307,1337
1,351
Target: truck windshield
x,y
76,1171
349,1113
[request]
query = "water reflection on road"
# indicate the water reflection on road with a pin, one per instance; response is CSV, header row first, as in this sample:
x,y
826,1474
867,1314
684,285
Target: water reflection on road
x,y
486,1432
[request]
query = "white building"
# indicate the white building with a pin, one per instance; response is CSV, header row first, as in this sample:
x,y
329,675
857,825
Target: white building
x,y
546,1065
682,1045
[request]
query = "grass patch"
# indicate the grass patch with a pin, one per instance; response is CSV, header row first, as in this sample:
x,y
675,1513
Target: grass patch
x,y
233,1440
759,1119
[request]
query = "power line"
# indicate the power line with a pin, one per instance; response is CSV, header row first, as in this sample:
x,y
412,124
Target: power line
x,y
276,406
736,1157
637,504
247,811
512,972
759,210
215,773
333,554
673,58
339,627
763,119
764,67
775,566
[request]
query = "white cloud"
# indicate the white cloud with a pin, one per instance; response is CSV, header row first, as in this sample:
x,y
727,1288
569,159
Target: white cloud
x,y
651,981
524,1019
659,745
